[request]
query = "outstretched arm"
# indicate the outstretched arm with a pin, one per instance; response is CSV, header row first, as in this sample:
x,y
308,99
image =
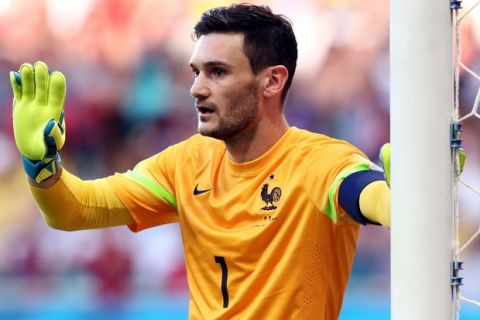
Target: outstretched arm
x,y
375,198
66,202
375,203
73,204
365,195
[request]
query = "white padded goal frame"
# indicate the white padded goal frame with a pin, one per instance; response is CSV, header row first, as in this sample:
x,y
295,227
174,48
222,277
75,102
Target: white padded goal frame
x,y
421,100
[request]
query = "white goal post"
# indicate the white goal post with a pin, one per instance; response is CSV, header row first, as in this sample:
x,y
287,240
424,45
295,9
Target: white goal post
x,y
422,98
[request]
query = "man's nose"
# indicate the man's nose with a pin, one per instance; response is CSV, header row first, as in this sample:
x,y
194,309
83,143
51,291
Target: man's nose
x,y
199,89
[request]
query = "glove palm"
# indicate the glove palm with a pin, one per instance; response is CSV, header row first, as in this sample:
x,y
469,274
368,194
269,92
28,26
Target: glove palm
x,y
38,121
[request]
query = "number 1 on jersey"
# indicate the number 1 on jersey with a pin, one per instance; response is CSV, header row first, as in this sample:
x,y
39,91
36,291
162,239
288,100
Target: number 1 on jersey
x,y
223,264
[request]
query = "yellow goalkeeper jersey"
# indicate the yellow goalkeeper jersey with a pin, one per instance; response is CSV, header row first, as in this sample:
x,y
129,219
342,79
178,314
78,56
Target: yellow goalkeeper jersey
x,y
264,239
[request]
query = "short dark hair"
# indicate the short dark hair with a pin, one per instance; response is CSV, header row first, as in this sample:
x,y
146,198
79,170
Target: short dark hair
x,y
268,38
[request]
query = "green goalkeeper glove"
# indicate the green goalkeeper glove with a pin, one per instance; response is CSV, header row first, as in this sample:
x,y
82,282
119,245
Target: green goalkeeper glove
x,y
38,118
462,159
385,160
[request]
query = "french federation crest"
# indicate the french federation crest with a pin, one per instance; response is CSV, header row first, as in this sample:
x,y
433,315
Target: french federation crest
x,y
270,197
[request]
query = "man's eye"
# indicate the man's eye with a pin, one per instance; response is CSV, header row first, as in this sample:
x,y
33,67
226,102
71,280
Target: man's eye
x,y
218,72
195,73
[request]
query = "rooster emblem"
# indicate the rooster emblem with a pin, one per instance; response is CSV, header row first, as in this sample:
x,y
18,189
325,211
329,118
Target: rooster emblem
x,y
270,197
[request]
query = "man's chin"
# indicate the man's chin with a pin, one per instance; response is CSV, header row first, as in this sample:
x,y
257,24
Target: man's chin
x,y
213,133
207,132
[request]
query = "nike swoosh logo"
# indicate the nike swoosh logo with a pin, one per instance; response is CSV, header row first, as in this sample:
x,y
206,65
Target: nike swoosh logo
x,y
196,192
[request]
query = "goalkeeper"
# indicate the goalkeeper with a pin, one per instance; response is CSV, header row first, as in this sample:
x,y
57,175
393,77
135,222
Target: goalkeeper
x,y
269,214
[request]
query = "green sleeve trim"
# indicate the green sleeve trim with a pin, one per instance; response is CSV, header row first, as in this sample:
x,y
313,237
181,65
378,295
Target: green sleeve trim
x,y
331,210
153,187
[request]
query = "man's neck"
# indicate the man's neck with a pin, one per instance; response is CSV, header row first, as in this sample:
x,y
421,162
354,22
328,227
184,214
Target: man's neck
x,y
251,144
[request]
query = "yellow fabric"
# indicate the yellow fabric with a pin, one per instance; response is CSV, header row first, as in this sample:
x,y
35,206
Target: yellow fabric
x,y
266,219
73,204
375,202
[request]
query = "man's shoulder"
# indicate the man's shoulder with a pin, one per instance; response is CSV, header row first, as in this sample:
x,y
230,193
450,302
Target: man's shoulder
x,y
194,149
199,142
309,139
306,136
194,146
316,145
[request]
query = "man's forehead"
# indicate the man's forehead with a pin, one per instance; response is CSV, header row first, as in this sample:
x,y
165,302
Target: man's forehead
x,y
221,47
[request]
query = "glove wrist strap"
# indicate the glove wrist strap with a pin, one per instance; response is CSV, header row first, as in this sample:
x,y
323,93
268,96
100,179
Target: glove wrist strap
x,y
41,170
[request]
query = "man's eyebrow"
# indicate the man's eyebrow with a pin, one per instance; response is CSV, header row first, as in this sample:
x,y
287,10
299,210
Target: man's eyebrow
x,y
213,63
216,63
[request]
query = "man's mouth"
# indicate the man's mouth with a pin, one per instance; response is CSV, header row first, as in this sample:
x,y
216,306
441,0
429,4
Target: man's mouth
x,y
205,109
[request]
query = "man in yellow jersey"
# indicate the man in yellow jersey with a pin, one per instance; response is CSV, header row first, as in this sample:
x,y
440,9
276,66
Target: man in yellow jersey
x,y
269,213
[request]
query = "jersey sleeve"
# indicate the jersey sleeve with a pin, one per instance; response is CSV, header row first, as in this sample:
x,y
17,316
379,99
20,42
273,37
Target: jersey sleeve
x,y
75,204
148,192
327,176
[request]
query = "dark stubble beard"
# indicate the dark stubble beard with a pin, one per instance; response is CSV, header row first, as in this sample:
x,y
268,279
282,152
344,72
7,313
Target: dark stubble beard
x,y
240,113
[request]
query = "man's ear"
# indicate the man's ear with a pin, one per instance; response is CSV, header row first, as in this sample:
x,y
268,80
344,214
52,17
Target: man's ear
x,y
274,80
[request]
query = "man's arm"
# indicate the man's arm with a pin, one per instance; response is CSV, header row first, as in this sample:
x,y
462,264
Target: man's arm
x,y
70,203
375,203
45,184
365,195
66,202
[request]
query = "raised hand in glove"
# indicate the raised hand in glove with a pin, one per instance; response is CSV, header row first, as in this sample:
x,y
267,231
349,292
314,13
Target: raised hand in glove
x,y
38,118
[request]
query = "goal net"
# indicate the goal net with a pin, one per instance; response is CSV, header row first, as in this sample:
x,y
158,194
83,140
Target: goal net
x,y
465,116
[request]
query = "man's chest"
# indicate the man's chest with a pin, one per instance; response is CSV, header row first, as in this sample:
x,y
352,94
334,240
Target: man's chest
x,y
238,201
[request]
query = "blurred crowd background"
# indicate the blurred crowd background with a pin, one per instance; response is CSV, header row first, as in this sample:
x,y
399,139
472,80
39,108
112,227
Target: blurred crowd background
x,y
128,80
